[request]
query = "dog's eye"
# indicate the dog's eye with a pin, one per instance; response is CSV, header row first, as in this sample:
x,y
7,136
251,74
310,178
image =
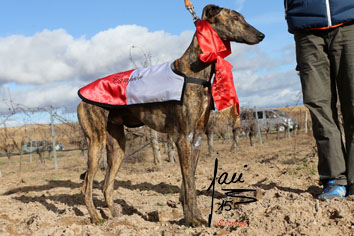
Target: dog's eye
x,y
235,17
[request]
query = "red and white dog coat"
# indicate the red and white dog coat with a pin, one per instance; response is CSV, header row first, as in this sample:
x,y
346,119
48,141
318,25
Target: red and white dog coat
x,y
153,84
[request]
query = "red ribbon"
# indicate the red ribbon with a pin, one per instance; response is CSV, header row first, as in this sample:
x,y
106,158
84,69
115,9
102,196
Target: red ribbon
x,y
214,48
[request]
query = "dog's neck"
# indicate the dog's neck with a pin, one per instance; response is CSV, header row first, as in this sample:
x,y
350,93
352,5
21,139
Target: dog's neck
x,y
190,64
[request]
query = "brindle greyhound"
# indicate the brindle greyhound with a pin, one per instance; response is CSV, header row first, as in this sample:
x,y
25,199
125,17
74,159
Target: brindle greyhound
x,y
185,123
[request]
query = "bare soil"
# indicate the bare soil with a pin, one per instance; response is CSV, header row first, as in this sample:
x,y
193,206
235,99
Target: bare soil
x,y
44,201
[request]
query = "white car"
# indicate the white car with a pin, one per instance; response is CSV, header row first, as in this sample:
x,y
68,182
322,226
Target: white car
x,y
269,119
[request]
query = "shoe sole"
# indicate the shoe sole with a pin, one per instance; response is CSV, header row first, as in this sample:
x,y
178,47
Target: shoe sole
x,y
328,197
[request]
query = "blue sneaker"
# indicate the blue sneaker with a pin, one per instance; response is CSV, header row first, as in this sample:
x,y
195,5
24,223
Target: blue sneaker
x,y
332,190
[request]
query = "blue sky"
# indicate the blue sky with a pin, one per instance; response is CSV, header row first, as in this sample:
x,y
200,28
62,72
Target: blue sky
x,y
49,49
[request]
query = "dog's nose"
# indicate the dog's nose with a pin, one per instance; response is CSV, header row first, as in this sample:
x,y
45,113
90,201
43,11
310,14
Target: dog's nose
x,y
260,36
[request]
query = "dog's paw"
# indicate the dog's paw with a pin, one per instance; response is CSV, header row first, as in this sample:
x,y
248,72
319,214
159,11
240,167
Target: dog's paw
x,y
197,222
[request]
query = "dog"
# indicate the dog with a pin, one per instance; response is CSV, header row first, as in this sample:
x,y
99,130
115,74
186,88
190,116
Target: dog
x,y
104,127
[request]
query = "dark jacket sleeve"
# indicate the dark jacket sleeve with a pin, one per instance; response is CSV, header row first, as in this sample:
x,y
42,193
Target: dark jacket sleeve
x,y
307,14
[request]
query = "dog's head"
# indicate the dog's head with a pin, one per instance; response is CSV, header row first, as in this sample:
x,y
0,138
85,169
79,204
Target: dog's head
x,y
231,25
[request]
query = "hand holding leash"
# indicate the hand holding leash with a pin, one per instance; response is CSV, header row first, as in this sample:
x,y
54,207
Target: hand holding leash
x,y
190,8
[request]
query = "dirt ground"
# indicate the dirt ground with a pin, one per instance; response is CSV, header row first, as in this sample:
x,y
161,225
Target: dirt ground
x,y
45,201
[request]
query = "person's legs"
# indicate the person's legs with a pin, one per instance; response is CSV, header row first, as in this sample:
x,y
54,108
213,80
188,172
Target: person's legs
x,y
319,95
342,58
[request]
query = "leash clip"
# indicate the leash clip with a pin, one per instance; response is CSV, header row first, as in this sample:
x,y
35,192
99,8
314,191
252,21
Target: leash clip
x,y
191,10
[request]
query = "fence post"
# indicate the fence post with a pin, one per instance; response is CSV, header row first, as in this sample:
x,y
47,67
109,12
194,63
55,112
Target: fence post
x,y
171,149
155,147
258,128
306,128
31,133
53,137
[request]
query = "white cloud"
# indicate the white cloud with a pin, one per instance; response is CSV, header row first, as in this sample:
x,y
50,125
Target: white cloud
x,y
57,94
51,66
56,56
270,90
36,59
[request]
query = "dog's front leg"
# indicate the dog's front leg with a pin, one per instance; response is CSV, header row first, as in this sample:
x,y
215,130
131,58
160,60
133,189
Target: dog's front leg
x,y
195,149
191,212
195,140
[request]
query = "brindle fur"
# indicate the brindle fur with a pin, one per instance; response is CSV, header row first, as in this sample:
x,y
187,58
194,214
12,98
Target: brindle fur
x,y
185,123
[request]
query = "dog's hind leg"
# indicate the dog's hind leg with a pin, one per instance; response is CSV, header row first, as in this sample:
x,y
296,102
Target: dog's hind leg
x,y
115,152
95,154
93,122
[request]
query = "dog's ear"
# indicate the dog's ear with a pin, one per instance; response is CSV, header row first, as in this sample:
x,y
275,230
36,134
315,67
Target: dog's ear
x,y
210,11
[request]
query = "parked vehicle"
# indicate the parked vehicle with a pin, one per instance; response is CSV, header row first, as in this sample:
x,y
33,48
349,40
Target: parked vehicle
x,y
59,147
269,120
293,124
